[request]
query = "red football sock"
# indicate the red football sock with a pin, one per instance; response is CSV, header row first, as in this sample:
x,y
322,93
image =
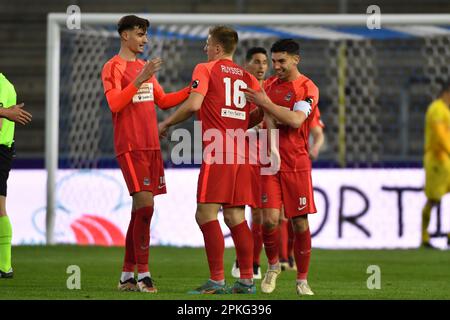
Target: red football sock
x,y
215,248
257,242
283,240
302,253
290,240
141,237
130,261
243,242
271,238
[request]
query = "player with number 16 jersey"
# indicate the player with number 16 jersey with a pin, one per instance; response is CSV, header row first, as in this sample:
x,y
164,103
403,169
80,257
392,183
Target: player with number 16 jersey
x,y
217,96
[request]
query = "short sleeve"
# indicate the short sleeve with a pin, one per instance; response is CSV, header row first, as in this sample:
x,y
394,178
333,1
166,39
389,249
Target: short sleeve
x,y
12,96
312,94
437,114
307,97
316,120
200,79
111,76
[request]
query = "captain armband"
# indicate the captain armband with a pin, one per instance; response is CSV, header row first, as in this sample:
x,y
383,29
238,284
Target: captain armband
x,y
303,106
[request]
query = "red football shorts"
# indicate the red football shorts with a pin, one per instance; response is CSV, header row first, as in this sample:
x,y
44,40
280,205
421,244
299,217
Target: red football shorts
x,y
293,190
229,184
256,184
143,171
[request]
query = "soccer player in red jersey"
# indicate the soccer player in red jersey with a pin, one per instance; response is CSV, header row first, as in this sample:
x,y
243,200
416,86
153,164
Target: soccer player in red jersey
x,y
256,63
287,261
132,91
291,100
217,95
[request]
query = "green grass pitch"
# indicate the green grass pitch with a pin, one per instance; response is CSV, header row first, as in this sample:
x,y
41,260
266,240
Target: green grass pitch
x,y
40,273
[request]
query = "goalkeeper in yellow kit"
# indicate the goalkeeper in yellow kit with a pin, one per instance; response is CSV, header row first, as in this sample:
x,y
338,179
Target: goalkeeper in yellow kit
x,y
437,157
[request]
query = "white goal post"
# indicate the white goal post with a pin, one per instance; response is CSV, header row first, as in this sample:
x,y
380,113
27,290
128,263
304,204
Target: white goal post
x,y
56,22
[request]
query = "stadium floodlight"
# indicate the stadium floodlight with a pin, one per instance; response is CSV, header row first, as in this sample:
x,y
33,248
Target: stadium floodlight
x,y
359,71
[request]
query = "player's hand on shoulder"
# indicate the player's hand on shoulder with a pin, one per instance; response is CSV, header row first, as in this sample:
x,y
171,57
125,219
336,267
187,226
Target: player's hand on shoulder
x,y
149,69
17,114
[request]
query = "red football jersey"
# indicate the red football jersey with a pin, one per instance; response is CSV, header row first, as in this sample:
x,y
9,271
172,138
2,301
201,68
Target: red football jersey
x,y
293,142
316,120
224,107
254,146
135,126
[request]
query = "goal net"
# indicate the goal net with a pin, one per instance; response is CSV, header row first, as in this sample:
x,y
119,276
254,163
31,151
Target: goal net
x,y
374,85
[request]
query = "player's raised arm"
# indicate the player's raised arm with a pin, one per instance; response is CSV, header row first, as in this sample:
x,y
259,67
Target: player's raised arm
x,y
169,100
117,97
199,88
149,69
187,109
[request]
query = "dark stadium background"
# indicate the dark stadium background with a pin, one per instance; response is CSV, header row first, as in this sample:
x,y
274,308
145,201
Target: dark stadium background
x,y
23,52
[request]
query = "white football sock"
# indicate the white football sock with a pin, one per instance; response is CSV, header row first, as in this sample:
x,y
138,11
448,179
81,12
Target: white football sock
x,y
247,282
275,266
219,282
143,275
126,275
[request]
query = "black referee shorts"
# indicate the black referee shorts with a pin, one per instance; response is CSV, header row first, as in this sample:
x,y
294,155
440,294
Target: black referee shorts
x,y
6,157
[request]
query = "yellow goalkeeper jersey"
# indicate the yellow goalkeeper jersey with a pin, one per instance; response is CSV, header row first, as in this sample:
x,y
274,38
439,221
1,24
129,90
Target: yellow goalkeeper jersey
x,y
437,131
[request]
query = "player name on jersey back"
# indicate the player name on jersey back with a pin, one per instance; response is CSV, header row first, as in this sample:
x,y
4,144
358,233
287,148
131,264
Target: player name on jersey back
x,y
232,70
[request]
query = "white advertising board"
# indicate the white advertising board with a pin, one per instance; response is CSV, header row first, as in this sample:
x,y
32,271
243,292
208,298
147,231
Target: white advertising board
x,y
357,208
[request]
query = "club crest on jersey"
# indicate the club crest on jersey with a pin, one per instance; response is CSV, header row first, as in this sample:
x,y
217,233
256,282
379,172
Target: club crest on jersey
x,y
288,96
146,181
264,198
195,84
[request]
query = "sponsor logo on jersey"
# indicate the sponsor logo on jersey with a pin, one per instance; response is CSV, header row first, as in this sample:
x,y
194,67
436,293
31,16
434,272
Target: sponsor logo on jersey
x,y
288,96
145,93
195,84
234,114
